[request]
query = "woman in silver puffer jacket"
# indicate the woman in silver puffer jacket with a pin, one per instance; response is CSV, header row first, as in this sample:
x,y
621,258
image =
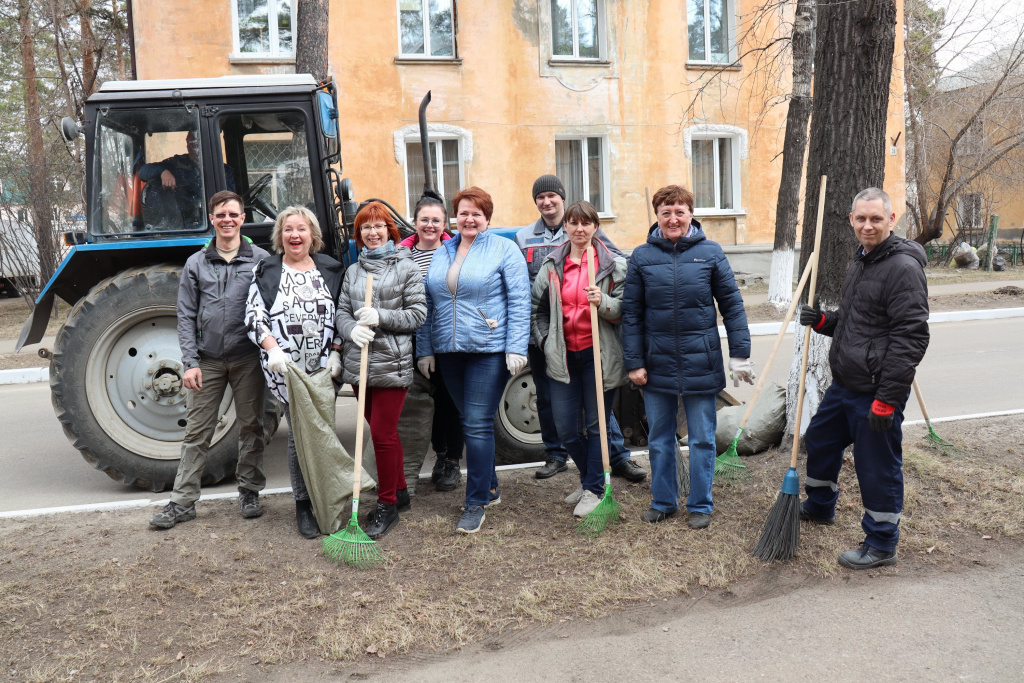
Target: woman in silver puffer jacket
x,y
398,308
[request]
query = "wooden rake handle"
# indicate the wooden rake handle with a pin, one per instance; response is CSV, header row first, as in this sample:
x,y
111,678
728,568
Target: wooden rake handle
x,y
598,372
920,401
364,362
807,330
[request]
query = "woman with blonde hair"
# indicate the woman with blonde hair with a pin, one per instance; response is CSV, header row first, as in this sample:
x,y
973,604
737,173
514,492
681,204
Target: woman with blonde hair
x,y
290,315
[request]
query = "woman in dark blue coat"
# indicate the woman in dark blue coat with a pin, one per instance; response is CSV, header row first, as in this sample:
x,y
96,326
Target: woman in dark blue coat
x,y
672,349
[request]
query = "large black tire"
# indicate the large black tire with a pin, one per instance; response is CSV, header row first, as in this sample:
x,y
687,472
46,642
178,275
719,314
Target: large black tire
x,y
516,428
115,382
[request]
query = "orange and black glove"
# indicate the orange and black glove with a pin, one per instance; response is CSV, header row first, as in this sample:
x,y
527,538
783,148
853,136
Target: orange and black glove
x,y
880,417
811,316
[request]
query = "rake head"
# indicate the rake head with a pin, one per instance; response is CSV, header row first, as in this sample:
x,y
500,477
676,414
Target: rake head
x,y
352,546
941,444
606,512
781,534
728,466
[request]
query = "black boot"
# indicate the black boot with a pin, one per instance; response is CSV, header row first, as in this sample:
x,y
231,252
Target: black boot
x,y
450,476
305,519
403,501
381,519
438,470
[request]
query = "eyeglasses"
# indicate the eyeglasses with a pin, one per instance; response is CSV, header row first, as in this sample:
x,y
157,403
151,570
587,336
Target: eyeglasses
x,y
378,227
430,221
222,216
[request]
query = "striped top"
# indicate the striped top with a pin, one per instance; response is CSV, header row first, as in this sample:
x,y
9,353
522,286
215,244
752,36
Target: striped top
x,y
422,259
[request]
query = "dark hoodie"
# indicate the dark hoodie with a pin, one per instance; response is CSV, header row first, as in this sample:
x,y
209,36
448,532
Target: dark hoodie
x,y
880,331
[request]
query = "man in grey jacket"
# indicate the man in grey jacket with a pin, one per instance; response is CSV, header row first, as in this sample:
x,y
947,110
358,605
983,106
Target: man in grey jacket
x,y
536,242
217,353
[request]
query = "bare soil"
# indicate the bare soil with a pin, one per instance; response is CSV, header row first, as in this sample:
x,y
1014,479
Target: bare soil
x,y
100,596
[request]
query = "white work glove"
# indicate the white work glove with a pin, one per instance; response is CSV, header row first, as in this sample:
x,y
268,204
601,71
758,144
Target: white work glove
x,y
334,364
741,369
368,316
515,362
277,360
361,335
426,365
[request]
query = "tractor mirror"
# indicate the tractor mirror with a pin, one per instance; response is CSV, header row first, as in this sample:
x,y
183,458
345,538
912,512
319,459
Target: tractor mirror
x,y
70,129
328,114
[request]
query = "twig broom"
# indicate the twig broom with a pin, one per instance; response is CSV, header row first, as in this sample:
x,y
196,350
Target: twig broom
x,y
607,511
781,534
946,447
728,466
351,545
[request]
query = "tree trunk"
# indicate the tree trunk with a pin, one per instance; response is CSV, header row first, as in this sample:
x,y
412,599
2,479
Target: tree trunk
x,y
90,65
311,38
853,65
780,284
39,185
119,39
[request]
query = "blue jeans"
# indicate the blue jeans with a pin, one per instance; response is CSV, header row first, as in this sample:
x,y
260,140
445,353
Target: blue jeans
x,y
702,420
582,439
553,447
476,382
842,419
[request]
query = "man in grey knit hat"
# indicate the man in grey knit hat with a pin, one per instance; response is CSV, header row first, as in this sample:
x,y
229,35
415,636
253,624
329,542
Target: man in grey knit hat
x,y
536,242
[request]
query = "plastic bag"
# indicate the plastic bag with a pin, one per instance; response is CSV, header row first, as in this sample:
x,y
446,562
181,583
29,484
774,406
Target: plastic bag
x,y
764,429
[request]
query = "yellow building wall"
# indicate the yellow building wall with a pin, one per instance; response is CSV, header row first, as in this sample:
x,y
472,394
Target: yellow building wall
x,y
515,103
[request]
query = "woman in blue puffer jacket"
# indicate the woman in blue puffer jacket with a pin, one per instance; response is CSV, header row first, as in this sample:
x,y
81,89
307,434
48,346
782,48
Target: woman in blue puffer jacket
x,y
477,329
671,346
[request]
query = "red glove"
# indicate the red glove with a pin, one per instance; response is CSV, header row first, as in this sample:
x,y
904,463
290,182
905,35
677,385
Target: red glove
x,y
880,417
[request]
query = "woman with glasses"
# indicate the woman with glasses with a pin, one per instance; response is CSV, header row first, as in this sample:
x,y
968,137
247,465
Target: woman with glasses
x,y
431,221
478,304
397,310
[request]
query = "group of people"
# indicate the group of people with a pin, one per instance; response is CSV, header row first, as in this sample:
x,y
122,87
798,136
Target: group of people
x,y
453,317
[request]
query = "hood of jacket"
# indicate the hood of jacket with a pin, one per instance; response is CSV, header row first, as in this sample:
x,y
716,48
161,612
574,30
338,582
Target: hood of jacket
x,y
413,239
892,245
376,265
605,259
682,244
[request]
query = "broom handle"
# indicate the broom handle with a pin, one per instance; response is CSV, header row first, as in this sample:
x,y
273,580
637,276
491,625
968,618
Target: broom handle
x,y
650,215
598,373
364,361
807,330
920,401
778,338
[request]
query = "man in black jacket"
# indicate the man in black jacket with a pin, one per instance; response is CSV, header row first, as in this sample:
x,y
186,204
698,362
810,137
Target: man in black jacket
x,y
879,335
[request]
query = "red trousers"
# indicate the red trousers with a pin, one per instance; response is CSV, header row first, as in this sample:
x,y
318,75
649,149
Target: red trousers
x,y
383,406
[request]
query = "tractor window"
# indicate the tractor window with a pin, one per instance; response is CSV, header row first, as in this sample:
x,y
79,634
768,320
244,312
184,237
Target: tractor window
x,y
267,158
148,172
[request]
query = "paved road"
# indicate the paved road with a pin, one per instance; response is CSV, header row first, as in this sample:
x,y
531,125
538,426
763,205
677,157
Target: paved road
x,y
42,470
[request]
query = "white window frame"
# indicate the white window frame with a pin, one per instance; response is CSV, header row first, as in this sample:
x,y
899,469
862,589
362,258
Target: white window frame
x,y
425,13
730,10
275,52
606,211
739,139
440,168
601,35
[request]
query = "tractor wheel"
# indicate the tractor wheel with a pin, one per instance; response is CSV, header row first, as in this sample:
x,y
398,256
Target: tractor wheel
x,y
116,382
516,426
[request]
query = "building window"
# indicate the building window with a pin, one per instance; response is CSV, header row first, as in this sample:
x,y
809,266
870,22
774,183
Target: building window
x,y
426,28
972,216
715,173
576,29
581,164
444,155
264,27
710,28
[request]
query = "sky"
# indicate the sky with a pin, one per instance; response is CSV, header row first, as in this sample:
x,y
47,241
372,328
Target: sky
x,y
982,27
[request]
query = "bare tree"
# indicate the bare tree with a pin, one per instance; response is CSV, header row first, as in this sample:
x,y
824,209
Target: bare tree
x,y
311,38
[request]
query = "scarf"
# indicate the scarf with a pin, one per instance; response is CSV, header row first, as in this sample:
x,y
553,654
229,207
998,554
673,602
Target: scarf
x,y
383,250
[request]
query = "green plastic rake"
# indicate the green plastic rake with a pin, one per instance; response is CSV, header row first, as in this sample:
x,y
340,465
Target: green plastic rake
x,y
351,545
728,466
946,447
607,511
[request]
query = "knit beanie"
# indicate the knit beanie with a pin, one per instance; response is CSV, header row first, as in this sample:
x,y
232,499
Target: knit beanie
x,y
548,183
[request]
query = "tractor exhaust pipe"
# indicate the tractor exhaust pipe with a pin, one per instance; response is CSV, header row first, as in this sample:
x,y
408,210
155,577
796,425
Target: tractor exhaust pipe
x,y
428,173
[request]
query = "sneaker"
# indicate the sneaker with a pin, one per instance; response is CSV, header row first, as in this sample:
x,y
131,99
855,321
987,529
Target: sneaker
x,y
629,470
866,557
494,499
249,503
435,474
575,496
450,477
381,519
806,516
172,514
588,501
550,469
403,501
654,516
305,520
699,520
472,519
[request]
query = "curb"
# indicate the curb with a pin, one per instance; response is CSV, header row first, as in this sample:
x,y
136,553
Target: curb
x,y
30,375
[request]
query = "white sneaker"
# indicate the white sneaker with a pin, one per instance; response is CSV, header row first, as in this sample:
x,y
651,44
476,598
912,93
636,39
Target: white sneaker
x,y
588,501
575,496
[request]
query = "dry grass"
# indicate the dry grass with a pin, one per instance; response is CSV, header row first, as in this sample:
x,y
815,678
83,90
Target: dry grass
x,y
14,313
101,596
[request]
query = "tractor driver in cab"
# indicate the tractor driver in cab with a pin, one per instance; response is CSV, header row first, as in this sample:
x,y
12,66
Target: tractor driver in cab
x,y
173,195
